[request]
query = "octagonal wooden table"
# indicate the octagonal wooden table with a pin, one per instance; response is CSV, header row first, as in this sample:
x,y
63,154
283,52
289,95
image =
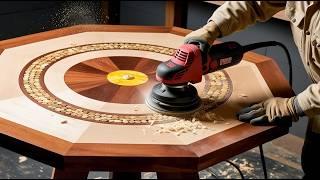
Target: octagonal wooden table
x,y
62,104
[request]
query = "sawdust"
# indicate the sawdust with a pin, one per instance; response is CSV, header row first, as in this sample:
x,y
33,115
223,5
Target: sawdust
x,y
76,12
244,165
191,124
22,159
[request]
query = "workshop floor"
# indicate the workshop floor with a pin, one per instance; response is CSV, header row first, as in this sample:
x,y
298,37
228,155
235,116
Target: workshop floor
x,y
282,159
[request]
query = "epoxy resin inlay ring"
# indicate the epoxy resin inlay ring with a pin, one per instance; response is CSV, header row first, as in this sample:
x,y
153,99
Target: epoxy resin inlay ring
x,y
217,89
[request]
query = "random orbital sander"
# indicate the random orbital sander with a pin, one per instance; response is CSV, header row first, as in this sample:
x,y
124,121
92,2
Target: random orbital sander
x,y
175,94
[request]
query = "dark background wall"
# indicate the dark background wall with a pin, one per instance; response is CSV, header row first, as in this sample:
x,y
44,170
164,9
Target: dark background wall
x,y
25,17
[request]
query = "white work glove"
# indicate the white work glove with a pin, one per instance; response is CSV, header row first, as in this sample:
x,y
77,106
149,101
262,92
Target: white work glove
x,y
272,111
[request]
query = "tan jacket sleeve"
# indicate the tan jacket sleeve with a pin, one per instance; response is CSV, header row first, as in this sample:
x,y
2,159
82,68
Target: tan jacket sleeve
x,y
236,15
309,100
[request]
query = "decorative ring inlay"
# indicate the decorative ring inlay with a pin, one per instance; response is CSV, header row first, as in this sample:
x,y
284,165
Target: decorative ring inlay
x,y
217,91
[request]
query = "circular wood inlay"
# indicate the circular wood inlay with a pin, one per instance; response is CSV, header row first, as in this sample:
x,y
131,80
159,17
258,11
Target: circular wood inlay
x,y
116,79
218,85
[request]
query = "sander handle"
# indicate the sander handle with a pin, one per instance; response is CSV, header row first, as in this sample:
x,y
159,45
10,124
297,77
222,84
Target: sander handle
x,y
230,53
222,55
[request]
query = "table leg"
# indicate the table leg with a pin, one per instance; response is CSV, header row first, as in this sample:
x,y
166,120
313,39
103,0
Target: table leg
x,y
125,175
161,175
263,162
69,174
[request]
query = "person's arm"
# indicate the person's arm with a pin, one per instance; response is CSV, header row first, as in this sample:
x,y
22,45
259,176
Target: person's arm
x,y
309,100
233,16
236,15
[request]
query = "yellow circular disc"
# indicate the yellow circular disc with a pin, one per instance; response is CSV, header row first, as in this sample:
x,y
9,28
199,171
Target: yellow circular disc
x,y
127,78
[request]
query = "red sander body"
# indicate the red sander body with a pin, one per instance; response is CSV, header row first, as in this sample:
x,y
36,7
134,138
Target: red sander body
x,y
175,94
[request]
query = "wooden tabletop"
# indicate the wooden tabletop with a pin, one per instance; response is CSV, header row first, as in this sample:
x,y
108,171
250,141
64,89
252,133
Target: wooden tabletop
x,y
190,157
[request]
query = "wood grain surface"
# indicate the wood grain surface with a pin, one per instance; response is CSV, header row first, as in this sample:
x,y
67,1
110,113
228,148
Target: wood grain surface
x,y
37,145
137,157
89,78
272,74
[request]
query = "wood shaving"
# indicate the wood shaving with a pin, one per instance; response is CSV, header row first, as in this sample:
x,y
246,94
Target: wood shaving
x,y
243,95
128,77
190,125
64,122
22,159
180,127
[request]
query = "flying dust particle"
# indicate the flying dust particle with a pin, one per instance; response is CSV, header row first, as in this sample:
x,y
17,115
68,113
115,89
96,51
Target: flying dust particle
x,y
76,12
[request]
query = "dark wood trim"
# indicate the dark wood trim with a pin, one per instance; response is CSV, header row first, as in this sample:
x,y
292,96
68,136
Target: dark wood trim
x,y
234,141
176,13
226,144
78,29
38,138
169,13
1,50
35,144
180,14
128,163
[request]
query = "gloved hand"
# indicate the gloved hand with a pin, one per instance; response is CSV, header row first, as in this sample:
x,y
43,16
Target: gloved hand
x,y
204,36
272,111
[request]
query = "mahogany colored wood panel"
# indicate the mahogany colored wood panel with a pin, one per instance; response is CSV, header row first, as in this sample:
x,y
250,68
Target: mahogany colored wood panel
x,y
133,150
229,143
89,78
126,157
169,13
181,13
208,151
134,164
104,64
38,138
32,143
1,50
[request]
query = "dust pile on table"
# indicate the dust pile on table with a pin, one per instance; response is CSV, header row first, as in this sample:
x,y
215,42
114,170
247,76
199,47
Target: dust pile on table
x,y
189,124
